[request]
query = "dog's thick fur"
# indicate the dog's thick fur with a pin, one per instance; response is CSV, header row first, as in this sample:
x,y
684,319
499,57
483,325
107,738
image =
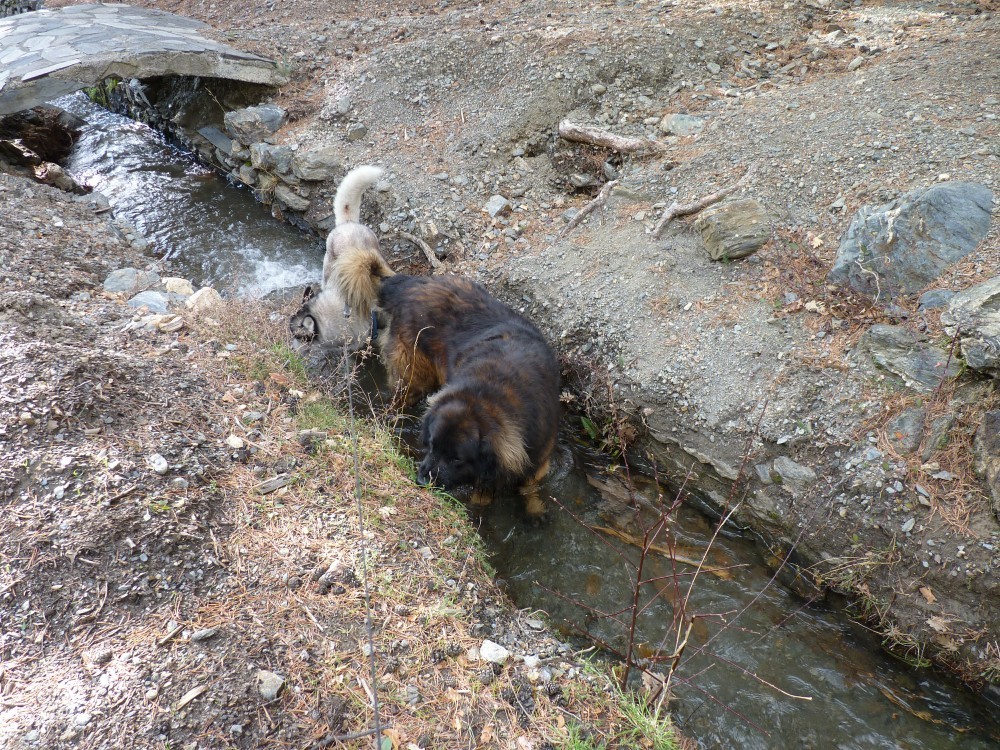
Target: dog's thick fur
x,y
321,316
491,378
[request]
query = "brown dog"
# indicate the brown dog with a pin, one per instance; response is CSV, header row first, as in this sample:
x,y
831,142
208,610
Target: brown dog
x,y
491,378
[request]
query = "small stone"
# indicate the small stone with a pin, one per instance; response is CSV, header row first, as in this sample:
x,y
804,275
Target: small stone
x,y
82,719
176,285
269,684
493,652
497,205
532,662
158,464
856,63
908,525
155,302
235,442
356,132
203,635
203,301
682,125
714,68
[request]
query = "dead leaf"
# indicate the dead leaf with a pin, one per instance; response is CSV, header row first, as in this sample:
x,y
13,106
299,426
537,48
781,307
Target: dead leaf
x,y
815,240
524,743
228,398
940,624
393,736
927,594
486,735
280,378
947,643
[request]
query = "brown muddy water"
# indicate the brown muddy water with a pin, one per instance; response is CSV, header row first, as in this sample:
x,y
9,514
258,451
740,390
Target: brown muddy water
x,y
763,667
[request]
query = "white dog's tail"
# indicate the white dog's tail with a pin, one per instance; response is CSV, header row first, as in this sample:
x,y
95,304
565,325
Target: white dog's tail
x,y
347,204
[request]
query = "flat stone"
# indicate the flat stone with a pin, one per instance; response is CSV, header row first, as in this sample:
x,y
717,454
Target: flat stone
x,y
920,364
682,125
356,133
792,472
986,456
130,281
218,139
317,164
935,299
734,229
902,246
266,157
290,198
155,302
975,315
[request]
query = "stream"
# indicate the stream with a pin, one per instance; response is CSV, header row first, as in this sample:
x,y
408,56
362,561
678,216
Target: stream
x,y
762,668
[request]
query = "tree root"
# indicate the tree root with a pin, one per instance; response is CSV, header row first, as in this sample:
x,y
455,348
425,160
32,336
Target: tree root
x,y
676,209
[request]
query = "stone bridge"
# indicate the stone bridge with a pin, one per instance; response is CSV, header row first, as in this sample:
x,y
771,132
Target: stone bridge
x,y
49,53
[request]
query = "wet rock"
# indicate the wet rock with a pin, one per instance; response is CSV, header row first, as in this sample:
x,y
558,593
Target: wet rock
x,y
255,123
986,454
497,205
269,684
975,313
203,301
290,198
734,229
130,281
155,302
902,246
268,158
683,125
905,431
919,363
317,164
494,653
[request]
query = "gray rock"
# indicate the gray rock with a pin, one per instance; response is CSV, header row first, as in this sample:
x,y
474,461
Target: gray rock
x,y
317,164
356,132
937,436
497,205
218,139
290,198
155,302
683,125
792,472
986,455
906,430
158,464
255,123
130,281
734,229
920,364
975,314
902,246
269,684
935,299
270,158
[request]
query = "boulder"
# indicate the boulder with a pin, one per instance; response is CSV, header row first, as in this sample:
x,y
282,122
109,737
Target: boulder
x,y
130,281
203,301
317,164
905,431
920,364
902,246
975,315
255,123
734,229
155,302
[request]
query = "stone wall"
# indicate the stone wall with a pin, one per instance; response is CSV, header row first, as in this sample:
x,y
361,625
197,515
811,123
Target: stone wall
x,y
13,7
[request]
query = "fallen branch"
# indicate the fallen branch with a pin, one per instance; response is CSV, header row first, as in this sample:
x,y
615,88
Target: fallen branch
x,y
431,257
583,213
597,137
676,209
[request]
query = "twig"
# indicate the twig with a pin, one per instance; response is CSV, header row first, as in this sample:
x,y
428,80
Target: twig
x,y
431,258
605,139
583,213
331,738
676,209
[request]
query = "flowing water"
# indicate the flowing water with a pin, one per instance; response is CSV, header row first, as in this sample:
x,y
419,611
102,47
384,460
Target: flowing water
x,y
763,668
204,232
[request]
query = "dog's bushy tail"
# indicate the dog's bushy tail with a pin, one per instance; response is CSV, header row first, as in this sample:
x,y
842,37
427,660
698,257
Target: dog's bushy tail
x,y
347,204
358,273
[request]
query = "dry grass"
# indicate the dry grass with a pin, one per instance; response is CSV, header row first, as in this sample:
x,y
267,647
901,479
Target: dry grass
x,y
432,591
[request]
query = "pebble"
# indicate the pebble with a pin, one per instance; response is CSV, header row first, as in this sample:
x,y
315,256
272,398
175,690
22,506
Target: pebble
x,y
493,652
82,719
908,525
158,464
269,684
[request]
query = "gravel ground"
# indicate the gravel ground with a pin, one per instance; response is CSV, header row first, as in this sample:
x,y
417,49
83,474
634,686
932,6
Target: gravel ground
x,y
835,104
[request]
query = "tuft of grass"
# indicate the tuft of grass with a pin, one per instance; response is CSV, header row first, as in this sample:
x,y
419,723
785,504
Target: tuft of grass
x,y
578,738
648,726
